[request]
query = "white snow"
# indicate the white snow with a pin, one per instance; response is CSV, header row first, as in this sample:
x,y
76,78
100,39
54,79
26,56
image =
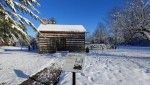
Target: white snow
x,y
17,64
61,28
1,50
123,66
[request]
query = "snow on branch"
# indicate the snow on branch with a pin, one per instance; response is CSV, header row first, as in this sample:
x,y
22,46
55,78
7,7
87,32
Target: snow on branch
x,y
21,33
147,34
25,9
11,4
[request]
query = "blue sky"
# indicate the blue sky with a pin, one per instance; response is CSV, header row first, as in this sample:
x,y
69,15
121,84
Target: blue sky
x,y
85,12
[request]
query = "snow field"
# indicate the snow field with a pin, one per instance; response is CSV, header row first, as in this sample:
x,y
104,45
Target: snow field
x,y
17,66
123,66
113,68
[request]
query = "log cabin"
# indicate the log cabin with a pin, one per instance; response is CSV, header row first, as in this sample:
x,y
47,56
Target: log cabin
x,y
54,37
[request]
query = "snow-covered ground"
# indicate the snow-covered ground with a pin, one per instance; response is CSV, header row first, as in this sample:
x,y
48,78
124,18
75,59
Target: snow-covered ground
x,y
123,66
17,65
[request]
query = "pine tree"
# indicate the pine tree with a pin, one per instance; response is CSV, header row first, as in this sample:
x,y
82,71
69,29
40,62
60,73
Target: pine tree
x,y
11,12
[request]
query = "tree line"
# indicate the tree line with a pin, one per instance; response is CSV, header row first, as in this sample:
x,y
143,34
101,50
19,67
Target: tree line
x,y
126,24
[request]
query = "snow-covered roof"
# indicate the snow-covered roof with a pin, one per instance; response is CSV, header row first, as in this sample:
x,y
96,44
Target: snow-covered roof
x,y
61,28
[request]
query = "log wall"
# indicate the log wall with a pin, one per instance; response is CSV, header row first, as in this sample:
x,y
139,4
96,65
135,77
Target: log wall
x,y
61,41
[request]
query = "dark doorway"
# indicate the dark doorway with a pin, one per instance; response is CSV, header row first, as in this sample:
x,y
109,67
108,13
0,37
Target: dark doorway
x,y
61,44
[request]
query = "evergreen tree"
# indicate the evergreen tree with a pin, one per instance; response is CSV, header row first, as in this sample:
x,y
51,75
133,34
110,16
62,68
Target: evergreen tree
x,y
12,22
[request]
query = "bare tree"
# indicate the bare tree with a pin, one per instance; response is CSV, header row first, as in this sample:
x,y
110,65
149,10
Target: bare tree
x,y
100,34
128,21
88,37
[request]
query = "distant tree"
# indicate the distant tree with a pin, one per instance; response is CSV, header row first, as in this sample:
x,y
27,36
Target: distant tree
x,y
117,28
128,21
88,37
100,35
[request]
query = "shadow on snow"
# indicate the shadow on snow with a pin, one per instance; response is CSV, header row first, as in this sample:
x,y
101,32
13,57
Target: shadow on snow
x,y
20,73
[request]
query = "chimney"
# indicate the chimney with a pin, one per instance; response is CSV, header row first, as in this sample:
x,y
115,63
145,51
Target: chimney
x,y
45,21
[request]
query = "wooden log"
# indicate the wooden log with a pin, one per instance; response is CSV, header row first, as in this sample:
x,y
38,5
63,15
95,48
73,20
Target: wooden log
x,y
48,76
